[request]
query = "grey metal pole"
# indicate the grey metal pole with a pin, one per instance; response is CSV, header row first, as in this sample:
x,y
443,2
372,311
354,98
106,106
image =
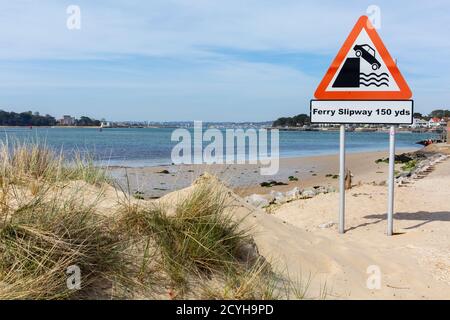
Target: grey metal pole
x,y
342,179
390,213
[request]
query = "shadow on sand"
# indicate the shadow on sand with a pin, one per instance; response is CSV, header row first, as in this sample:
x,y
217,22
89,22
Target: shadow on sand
x,y
423,216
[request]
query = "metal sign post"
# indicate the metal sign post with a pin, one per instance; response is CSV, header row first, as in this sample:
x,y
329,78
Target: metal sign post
x,y
390,213
342,179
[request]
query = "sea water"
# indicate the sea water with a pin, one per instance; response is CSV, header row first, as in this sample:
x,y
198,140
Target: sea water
x,y
153,146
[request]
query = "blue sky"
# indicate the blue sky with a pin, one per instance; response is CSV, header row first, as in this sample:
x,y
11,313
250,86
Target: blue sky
x,y
228,60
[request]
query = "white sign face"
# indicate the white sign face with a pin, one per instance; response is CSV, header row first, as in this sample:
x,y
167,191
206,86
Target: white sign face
x,y
362,111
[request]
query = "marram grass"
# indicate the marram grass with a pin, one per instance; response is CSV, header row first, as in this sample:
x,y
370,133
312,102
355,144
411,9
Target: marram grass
x,y
139,249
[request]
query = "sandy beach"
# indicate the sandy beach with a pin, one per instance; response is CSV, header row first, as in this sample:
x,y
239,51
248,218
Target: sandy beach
x,y
155,182
414,263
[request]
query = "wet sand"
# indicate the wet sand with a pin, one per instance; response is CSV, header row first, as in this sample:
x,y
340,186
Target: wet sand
x,y
245,179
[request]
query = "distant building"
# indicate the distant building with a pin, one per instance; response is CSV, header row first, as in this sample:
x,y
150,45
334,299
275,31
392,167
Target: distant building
x,y
325,125
419,123
67,120
434,122
105,124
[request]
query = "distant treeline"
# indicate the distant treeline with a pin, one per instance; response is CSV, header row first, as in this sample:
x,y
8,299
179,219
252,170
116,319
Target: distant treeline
x,y
25,119
87,122
296,121
29,118
439,113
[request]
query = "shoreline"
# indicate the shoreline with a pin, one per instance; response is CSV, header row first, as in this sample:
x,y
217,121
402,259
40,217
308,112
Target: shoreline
x,y
245,179
319,129
319,154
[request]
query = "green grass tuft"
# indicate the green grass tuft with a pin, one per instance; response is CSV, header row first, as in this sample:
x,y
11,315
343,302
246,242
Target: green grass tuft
x,y
41,239
21,162
198,238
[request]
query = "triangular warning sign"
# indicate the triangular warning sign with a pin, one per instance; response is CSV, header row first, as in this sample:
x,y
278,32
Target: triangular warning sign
x,y
363,70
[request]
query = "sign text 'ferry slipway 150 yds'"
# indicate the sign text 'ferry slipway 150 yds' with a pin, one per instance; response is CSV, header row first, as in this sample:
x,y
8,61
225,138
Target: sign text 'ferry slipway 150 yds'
x,y
375,111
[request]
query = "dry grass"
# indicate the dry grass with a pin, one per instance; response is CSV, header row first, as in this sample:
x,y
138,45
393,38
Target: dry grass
x,y
42,238
259,282
45,230
198,239
22,162
254,283
143,251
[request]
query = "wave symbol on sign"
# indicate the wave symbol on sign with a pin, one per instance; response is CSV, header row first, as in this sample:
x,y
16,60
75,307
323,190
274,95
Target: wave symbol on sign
x,y
373,79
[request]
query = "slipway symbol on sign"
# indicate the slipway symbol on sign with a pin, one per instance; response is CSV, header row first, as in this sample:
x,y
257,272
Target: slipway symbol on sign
x,y
363,69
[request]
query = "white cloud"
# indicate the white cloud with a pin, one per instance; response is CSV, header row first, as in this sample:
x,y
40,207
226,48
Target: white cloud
x,y
33,29
34,35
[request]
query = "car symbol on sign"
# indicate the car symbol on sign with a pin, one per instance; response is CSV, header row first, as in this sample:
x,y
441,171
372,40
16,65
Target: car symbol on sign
x,y
367,53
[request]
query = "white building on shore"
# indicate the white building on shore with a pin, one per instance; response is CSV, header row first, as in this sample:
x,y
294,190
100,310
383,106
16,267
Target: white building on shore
x,y
433,123
105,124
67,120
419,123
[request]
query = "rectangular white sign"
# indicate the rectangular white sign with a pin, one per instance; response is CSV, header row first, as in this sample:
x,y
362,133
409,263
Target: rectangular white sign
x,y
362,111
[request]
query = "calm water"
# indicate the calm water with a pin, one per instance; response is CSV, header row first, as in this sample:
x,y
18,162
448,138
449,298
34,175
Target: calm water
x,y
145,147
